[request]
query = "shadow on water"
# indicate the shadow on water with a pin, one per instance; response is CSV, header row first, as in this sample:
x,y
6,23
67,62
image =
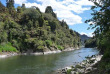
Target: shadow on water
x,y
43,64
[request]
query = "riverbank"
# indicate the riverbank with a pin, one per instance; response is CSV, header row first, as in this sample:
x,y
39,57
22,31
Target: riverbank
x,y
70,49
83,67
9,54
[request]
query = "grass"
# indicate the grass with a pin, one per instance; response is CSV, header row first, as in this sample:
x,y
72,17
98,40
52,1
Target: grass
x,y
7,47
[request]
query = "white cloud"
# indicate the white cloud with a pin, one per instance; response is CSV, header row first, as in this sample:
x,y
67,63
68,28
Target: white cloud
x,y
42,8
77,8
69,17
92,23
84,2
88,34
20,1
64,9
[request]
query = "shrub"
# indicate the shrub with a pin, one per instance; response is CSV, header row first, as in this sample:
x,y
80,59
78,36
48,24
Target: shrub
x,y
7,48
40,47
31,14
48,43
78,66
69,71
60,47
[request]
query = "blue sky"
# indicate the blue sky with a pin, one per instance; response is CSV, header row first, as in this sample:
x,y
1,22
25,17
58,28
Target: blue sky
x,y
74,12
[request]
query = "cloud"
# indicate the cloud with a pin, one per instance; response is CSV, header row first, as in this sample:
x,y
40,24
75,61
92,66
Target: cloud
x,y
68,10
88,34
69,17
20,1
84,2
91,23
79,8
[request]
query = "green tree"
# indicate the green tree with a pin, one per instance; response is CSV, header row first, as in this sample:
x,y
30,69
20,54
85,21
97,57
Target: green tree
x,y
19,9
101,22
31,14
50,10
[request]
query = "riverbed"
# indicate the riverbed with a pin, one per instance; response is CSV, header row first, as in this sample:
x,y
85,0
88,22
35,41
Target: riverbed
x,y
43,64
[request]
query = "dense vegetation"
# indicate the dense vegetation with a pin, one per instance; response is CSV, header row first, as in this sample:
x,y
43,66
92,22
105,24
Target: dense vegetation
x,y
84,38
101,21
23,29
91,43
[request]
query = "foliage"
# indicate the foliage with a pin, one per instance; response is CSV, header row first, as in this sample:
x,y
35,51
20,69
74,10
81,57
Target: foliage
x,y
30,29
101,22
30,14
60,47
91,43
50,10
7,47
69,71
48,43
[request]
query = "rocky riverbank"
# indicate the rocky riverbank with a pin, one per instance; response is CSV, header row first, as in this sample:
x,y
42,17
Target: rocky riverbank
x,y
83,67
9,54
70,49
42,53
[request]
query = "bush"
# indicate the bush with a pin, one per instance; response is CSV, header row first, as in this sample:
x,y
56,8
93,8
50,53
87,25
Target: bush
x,y
31,14
69,71
7,48
40,47
78,66
60,47
48,43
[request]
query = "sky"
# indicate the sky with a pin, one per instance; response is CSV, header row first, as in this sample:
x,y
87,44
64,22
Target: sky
x,y
74,12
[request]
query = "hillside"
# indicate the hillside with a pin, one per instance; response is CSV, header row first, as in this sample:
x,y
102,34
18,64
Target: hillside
x,y
91,43
30,29
84,38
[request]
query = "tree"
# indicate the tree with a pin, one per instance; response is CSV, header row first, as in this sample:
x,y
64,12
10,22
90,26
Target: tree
x,y
100,19
101,22
50,10
23,7
31,14
10,3
30,29
19,9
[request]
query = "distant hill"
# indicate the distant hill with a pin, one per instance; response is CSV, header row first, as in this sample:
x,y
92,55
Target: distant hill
x,y
83,38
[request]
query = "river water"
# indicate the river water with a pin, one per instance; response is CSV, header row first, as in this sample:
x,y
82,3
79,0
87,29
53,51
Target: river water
x,y
43,64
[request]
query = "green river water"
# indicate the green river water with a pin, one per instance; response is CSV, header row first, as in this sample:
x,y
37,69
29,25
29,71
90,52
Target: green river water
x,y
43,64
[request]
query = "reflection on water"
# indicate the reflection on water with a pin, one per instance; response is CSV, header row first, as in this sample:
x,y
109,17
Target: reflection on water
x,y
43,64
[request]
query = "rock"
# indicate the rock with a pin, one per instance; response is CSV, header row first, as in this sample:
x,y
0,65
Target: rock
x,y
83,67
73,72
80,70
89,69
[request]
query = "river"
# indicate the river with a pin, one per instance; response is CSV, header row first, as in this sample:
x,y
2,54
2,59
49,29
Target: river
x,y
43,64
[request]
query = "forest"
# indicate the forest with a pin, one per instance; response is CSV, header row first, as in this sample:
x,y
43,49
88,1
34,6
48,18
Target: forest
x,y
23,29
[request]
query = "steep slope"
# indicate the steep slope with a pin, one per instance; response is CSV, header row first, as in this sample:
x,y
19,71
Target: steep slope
x,y
28,29
84,38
